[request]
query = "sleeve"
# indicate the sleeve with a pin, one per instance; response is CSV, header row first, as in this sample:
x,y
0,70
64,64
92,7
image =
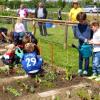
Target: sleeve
x,y
39,61
45,13
81,10
36,12
79,35
70,14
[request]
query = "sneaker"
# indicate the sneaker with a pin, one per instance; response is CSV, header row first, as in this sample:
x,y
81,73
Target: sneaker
x,y
94,76
97,78
80,72
85,73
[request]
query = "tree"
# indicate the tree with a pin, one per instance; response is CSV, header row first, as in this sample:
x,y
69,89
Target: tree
x,y
61,3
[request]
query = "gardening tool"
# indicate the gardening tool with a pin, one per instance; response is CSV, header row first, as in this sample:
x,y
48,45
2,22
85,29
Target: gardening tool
x,y
85,50
19,52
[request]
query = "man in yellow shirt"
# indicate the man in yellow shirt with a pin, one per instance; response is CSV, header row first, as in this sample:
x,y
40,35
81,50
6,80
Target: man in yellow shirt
x,y
73,13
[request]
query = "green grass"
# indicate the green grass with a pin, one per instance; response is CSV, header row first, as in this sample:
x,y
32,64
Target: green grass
x,y
62,57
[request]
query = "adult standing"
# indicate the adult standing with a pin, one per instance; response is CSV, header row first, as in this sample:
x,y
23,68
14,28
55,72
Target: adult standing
x,y
23,13
41,13
73,13
60,14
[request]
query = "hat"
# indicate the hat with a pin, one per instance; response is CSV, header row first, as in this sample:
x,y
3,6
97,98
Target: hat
x,y
75,1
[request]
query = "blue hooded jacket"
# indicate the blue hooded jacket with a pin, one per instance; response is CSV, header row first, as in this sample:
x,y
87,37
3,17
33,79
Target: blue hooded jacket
x,y
31,62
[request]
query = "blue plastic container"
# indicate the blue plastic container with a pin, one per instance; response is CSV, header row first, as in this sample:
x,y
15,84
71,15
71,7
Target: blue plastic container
x,y
49,25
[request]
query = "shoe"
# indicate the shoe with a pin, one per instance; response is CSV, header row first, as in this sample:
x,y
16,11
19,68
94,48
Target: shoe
x,y
94,76
80,72
97,78
85,73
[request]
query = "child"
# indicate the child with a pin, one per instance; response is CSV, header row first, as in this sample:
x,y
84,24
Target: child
x,y
83,33
3,34
9,57
30,38
19,31
31,62
96,49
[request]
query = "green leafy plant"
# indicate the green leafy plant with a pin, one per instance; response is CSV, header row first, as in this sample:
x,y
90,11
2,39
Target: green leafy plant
x,y
50,76
47,84
57,98
96,97
68,74
37,79
83,94
13,91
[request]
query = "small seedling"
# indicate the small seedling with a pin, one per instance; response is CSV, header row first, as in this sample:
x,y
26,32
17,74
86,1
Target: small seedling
x,y
57,98
83,94
68,74
37,79
47,84
32,89
13,91
50,76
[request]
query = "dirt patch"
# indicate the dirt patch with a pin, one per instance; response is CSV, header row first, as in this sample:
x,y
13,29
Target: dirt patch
x,y
30,87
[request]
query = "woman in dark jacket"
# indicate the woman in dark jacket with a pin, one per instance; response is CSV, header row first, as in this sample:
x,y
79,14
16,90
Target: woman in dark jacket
x,y
41,13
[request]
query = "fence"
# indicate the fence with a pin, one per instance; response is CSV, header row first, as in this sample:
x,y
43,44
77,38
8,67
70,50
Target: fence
x,y
65,23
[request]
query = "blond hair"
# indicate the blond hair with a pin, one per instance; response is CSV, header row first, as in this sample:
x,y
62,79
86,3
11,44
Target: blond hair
x,y
95,23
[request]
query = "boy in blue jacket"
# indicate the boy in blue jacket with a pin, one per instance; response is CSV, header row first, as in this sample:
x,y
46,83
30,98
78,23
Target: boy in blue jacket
x,y
83,33
31,62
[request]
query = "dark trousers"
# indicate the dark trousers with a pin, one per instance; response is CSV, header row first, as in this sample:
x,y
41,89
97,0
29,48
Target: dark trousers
x,y
42,28
18,37
86,62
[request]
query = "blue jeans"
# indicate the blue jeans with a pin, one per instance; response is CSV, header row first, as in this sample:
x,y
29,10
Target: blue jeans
x,y
96,62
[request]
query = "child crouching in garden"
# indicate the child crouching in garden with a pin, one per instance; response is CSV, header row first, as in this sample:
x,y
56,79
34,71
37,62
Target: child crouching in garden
x,y
83,34
96,50
30,60
9,57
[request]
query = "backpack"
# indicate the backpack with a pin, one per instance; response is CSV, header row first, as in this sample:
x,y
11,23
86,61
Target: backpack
x,y
86,50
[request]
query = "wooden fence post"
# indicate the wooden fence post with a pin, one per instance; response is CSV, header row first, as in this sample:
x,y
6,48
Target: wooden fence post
x,y
65,36
52,54
34,27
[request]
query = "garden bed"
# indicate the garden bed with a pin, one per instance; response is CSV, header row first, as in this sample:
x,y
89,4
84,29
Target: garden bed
x,y
51,80
53,84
